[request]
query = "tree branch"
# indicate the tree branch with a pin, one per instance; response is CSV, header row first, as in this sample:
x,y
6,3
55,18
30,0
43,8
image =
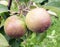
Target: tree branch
x,y
9,4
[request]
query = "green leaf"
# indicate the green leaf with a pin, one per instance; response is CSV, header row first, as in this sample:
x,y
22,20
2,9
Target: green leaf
x,y
37,1
54,3
54,9
3,41
3,8
34,40
1,21
24,1
53,0
14,7
3,17
14,42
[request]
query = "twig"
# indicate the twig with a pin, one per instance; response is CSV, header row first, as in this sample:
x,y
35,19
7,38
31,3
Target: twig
x,y
19,6
9,4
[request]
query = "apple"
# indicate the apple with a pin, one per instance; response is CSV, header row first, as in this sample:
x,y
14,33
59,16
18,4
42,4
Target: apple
x,y
14,27
38,20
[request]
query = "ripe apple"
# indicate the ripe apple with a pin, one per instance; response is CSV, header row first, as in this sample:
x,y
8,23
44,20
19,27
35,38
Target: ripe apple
x,y
38,20
14,27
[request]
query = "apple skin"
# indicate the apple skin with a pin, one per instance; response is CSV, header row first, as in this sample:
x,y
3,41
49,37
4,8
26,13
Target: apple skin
x,y
14,27
38,20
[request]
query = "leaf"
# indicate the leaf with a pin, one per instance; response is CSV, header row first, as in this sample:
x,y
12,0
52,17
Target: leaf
x,y
3,17
3,41
4,2
3,8
37,1
54,9
23,0
14,7
54,3
34,40
53,0
1,22
15,42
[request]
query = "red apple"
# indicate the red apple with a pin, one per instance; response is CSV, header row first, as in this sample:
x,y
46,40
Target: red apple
x,y
14,27
38,20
